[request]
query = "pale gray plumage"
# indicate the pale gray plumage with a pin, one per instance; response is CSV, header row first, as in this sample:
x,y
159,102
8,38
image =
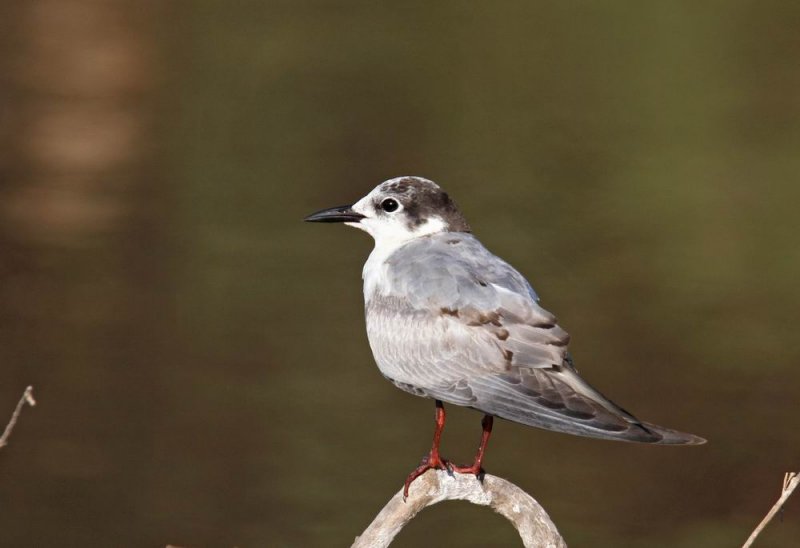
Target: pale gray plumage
x,y
462,326
449,320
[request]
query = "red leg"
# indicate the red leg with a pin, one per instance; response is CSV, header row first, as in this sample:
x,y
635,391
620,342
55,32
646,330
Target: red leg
x,y
476,468
432,460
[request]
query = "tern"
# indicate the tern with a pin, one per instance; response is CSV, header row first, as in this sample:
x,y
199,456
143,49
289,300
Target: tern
x,y
448,320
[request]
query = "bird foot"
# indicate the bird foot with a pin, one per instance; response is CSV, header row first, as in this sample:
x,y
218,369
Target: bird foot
x,y
431,461
474,469
434,462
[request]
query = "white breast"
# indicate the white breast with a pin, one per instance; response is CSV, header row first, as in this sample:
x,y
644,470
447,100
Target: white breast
x,y
376,270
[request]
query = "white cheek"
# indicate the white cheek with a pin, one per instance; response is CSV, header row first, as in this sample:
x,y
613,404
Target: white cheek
x,y
367,223
390,228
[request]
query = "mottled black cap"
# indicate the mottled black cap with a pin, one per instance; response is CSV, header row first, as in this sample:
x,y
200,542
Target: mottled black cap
x,y
423,199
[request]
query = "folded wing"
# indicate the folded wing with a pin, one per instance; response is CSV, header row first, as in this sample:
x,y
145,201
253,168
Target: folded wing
x,y
462,326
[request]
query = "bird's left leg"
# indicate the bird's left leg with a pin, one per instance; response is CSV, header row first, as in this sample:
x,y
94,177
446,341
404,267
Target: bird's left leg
x,y
476,467
433,459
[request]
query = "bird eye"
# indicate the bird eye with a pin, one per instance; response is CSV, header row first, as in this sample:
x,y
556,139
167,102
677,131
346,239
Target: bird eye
x,y
389,205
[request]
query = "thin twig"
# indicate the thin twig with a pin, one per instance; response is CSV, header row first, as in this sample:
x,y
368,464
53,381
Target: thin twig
x,y
790,482
530,519
27,397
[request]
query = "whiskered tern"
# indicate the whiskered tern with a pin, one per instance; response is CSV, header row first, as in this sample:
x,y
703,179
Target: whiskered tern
x,y
448,320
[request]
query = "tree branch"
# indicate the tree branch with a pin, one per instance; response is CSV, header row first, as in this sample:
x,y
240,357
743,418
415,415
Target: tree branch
x,y
525,514
27,397
790,482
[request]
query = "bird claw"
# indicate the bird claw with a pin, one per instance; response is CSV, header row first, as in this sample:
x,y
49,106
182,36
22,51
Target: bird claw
x,y
428,462
475,469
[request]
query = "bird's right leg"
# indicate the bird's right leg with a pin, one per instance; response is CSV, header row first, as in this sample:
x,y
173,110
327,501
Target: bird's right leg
x,y
432,460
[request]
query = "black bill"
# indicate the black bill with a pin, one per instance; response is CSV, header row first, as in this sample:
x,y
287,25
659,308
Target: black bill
x,y
340,214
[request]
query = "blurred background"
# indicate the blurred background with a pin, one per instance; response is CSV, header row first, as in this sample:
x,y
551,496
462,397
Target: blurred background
x,y
199,354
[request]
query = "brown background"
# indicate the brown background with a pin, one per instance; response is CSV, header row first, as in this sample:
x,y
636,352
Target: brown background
x,y
199,354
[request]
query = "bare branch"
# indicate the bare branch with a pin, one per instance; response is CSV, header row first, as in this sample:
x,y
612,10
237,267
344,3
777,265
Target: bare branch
x,y
27,397
790,483
528,517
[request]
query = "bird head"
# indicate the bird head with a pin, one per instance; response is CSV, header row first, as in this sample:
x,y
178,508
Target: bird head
x,y
399,210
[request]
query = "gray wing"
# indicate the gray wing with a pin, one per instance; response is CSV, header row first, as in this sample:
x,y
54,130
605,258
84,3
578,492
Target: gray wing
x,y
462,326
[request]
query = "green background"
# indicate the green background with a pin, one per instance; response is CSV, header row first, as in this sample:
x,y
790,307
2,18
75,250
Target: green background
x,y
199,354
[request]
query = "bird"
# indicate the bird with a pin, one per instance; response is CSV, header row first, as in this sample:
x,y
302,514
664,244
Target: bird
x,y
448,320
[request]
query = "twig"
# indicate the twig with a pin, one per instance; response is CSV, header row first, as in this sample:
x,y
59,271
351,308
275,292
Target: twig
x,y
790,482
528,517
27,397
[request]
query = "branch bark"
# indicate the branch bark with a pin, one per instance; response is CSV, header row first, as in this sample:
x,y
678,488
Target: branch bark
x,y
27,397
790,482
525,514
